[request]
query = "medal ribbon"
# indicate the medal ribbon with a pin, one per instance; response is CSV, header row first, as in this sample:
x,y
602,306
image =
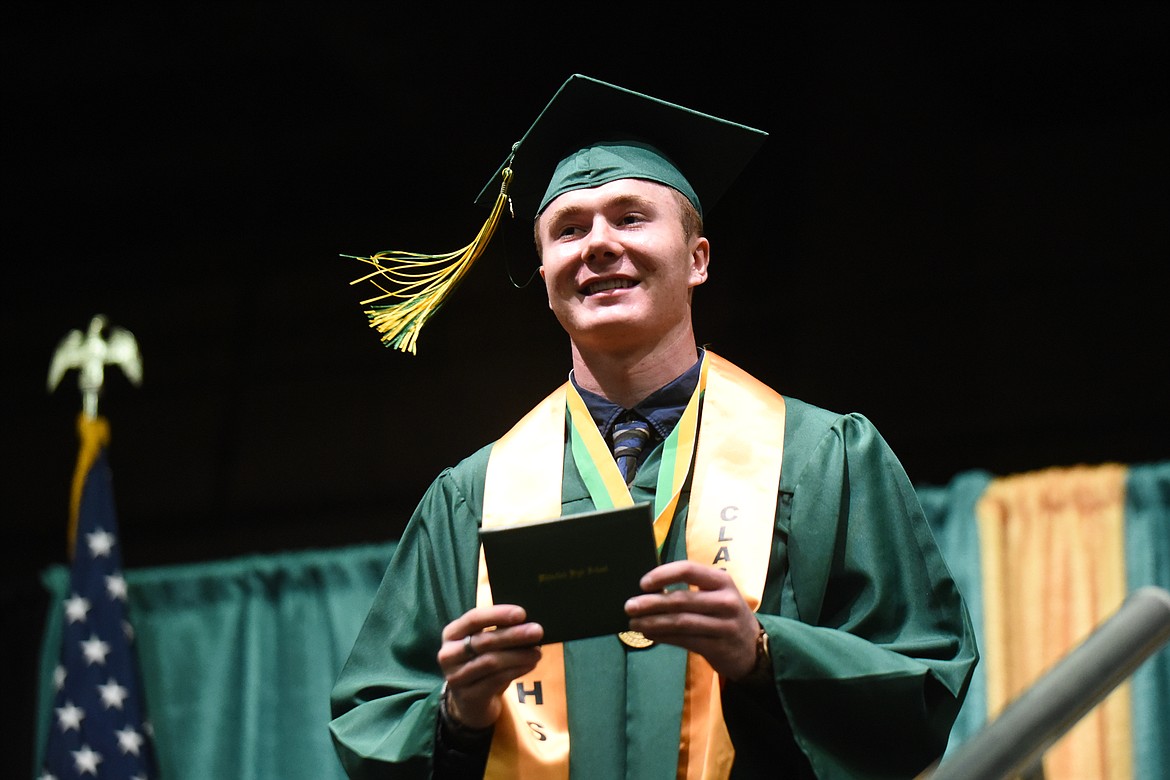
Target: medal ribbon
x,y
599,470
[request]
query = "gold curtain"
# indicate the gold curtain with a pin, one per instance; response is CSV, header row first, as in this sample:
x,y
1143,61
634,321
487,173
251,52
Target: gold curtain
x,y
1053,558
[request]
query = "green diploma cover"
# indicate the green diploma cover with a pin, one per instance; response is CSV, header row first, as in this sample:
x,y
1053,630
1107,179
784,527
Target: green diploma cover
x,y
572,574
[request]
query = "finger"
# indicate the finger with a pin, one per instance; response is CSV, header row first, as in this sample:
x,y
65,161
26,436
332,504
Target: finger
x,y
685,573
490,675
472,648
723,602
497,664
665,625
497,640
479,618
721,640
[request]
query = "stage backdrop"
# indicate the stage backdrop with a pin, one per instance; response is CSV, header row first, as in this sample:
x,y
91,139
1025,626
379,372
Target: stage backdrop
x,y
238,657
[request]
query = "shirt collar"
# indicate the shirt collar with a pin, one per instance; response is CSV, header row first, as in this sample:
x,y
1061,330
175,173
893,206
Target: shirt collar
x,y
662,409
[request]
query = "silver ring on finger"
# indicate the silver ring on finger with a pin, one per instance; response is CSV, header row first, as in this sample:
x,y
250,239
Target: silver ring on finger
x,y
468,648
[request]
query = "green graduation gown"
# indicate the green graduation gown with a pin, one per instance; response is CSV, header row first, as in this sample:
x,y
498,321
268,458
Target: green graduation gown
x,y
872,647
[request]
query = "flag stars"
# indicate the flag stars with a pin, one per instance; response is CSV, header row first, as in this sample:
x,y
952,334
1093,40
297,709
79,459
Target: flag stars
x,y
95,651
70,717
76,608
129,741
113,695
94,729
100,543
116,587
86,760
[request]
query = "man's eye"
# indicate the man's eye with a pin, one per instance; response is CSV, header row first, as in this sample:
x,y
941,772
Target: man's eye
x,y
632,219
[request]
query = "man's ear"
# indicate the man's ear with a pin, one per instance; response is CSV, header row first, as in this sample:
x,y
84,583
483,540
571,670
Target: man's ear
x,y
700,260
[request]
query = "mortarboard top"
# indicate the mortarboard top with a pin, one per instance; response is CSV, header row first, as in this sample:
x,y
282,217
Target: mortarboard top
x,y
709,152
589,134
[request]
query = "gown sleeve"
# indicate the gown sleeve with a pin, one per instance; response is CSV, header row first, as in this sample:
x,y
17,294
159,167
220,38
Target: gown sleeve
x,y
872,647
385,702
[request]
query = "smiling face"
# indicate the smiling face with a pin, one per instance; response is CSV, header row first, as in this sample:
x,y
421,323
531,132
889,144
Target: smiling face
x,y
619,267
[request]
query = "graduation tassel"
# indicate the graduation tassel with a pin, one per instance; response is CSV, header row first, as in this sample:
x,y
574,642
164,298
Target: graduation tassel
x,y
420,283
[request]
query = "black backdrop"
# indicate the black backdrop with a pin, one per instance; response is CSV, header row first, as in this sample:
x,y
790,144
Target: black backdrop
x,y
957,227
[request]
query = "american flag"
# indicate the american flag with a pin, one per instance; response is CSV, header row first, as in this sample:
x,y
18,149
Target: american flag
x,y
98,727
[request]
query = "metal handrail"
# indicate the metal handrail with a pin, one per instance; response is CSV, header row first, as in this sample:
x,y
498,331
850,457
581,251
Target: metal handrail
x,y
1039,716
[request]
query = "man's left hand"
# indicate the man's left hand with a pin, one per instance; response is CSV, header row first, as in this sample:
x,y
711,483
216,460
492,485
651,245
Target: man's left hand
x,y
708,617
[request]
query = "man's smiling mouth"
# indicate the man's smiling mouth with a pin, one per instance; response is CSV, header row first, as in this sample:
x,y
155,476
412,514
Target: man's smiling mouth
x,y
608,284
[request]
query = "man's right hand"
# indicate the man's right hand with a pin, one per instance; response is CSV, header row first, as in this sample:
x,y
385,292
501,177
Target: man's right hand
x,y
483,651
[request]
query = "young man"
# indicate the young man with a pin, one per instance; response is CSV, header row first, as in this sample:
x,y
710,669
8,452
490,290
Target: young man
x,y
802,622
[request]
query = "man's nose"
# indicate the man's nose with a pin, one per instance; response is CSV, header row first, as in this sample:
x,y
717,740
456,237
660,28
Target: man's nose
x,y
602,242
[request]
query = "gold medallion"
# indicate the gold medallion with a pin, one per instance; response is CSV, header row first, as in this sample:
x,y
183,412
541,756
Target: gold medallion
x,y
635,640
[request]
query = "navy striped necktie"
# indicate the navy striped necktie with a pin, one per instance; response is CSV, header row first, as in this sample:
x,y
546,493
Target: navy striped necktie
x,y
629,436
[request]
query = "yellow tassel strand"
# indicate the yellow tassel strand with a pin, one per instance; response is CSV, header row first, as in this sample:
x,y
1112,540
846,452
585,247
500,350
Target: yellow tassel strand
x,y
420,283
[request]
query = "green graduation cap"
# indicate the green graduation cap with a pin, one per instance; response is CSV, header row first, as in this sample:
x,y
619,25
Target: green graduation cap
x,y
589,134
592,133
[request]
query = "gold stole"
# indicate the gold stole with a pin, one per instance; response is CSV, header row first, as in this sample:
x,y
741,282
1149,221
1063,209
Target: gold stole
x,y
733,507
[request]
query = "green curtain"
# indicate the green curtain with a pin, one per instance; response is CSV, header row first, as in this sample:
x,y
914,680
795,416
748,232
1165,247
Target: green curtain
x,y
1147,562
238,658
